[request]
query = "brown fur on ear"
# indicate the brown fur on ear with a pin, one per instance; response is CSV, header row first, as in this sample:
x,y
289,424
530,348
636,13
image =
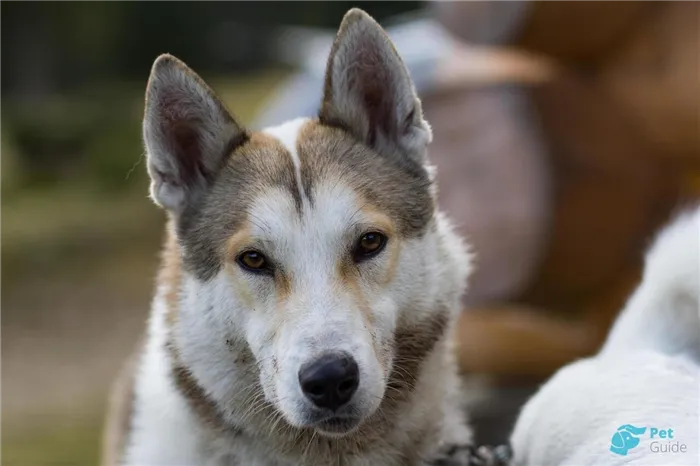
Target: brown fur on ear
x,y
187,132
369,92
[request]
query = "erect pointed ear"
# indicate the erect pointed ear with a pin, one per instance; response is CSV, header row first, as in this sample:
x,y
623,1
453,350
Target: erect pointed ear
x,y
368,90
187,131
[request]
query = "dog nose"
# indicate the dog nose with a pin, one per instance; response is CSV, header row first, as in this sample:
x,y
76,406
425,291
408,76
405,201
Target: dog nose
x,y
330,381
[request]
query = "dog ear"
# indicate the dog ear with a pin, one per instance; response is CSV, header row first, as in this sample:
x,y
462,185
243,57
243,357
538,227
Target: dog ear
x,y
368,90
187,131
632,429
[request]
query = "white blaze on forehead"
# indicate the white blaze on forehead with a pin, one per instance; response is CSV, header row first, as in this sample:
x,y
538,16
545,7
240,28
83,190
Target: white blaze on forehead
x,y
312,243
288,134
308,249
319,314
329,218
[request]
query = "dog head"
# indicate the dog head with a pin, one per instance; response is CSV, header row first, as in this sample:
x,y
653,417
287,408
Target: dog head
x,y
306,247
624,439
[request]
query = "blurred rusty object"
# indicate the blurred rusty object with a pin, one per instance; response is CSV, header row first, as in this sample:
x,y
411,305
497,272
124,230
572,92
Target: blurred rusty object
x,y
511,341
580,33
575,32
516,343
645,54
655,74
613,189
619,118
616,113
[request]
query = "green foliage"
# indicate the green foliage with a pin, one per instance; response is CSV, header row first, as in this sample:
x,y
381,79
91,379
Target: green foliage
x,y
97,142
9,163
94,137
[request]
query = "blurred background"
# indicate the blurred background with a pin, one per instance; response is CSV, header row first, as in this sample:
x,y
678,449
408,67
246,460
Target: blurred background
x,y
565,133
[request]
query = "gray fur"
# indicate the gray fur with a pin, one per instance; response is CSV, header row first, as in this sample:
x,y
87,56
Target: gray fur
x,y
369,92
187,132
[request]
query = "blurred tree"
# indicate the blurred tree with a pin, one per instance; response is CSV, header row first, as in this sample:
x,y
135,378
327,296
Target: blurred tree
x,y
28,52
50,46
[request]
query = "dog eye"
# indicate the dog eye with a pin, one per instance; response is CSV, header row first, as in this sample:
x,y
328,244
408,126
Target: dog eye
x,y
369,245
253,261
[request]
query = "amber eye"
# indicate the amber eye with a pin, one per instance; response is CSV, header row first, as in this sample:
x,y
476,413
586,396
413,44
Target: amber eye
x,y
369,245
253,261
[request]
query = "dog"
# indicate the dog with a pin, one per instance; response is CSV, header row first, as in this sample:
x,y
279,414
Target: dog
x,y
309,286
638,400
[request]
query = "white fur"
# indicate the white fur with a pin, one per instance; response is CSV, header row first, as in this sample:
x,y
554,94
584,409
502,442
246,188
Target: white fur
x,y
160,411
664,309
287,133
647,374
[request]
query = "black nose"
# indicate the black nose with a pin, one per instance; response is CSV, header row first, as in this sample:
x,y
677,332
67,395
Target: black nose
x,y
330,381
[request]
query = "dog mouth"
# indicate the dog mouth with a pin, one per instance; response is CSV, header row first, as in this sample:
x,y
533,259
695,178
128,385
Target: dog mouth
x,y
337,426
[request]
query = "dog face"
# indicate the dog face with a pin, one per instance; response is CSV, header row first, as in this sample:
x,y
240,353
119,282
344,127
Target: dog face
x,y
303,247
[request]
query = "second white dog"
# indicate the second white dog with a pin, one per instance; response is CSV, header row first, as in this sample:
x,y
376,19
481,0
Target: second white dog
x,y
637,401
